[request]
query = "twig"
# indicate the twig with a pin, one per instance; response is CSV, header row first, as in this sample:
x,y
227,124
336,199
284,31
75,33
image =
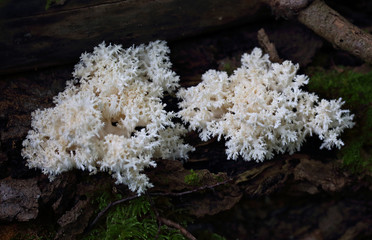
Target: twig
x,y
327,23
268,46
104,211
172,224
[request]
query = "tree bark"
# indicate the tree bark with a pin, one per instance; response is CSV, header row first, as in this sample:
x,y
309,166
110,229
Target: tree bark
x,y
33,38
329,24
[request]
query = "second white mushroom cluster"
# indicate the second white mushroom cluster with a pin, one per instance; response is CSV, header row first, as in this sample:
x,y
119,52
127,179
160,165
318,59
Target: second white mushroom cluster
x,y
261,109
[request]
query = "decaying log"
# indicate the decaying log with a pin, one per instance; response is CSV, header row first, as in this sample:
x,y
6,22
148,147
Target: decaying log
x,y
19,199
33,37
68,197
299,172
37,38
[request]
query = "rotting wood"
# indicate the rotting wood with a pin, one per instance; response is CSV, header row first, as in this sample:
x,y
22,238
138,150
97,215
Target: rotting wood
x,y
268,46
327,23
35,38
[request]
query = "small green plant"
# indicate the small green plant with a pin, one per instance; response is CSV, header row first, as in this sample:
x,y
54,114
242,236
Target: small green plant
x,y
356,90
193,178
104,199
134,220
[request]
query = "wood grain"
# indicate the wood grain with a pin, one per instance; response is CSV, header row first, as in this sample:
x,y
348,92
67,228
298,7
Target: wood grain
x,y
32,37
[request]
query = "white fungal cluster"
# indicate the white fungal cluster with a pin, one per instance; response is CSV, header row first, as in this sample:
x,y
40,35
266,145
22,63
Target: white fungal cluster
x,y
110,117
261,109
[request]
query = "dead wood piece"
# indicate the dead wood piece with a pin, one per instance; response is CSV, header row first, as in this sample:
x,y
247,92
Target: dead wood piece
x,y
169,180
201,203
264,179
74,221
320,175
47,38
72,215
172,224
301,173
19,199
329,24
268,46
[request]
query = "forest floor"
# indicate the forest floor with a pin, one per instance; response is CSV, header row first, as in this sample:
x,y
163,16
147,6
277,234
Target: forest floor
x,y
313,194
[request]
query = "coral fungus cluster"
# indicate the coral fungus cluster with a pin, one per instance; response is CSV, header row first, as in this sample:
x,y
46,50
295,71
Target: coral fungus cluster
x,y
261,109
111,117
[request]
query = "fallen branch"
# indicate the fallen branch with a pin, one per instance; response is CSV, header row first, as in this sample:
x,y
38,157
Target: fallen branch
x,y
327,23
336,29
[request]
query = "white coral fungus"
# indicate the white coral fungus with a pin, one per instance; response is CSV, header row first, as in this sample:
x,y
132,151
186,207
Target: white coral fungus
x,y
261,110
110,117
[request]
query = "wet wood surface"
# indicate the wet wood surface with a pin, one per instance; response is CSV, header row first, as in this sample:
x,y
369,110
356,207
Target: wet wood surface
x,y
33,37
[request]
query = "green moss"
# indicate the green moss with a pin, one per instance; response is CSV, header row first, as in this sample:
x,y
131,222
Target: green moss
x,y
356,90
134,220
193,178
351,155
218,177
227,67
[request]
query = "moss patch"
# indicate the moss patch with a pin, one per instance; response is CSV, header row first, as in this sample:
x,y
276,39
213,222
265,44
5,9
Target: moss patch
x,y
193,178
133,220
356,90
